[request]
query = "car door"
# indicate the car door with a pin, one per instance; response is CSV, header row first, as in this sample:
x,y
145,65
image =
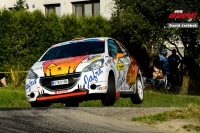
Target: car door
x,y
122,62
127,64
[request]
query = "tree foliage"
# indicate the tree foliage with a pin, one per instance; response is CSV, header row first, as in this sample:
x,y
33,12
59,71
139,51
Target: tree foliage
x,y
20,5
144,23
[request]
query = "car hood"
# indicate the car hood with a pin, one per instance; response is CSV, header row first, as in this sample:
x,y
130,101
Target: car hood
x,y
64,65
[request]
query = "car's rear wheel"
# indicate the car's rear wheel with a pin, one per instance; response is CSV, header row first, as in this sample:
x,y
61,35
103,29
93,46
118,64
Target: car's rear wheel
x,y
110,97
40,104
138,97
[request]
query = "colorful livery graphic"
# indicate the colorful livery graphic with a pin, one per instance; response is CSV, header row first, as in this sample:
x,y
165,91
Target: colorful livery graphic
x,y
84,69
62,66
132,72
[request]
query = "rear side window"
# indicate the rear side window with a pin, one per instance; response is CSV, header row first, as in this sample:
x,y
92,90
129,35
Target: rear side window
x,y
75,49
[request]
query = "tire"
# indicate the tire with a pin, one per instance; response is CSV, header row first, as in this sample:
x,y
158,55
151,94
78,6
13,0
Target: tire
x,y
138,97
40,104
71,103
110,97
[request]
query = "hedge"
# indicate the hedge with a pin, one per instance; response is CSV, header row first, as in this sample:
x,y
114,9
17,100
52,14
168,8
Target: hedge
x,y
42,32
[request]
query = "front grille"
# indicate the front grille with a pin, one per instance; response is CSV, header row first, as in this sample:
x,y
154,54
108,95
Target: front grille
x,y
72,78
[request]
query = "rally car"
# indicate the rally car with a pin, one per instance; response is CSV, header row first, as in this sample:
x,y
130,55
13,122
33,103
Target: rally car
x,y
84,69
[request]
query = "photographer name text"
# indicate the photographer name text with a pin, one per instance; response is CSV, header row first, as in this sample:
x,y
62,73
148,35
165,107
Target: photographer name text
x,y
182,25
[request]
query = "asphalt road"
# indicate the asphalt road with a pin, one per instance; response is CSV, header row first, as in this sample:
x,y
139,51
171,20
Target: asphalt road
x,y
65,120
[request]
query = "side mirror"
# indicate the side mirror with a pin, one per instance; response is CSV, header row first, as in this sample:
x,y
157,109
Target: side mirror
x,y
119,55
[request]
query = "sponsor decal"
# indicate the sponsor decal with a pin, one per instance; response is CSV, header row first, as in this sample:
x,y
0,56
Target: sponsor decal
x,y
101,88
31,83
120,66
93,58
121,79
81,87
93,77
61,91
124,60
38,68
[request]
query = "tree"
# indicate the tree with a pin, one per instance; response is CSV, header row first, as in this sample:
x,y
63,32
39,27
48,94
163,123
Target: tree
x,y
20,5
144,23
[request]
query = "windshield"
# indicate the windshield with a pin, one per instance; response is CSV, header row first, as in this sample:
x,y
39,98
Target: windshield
x,y
75,49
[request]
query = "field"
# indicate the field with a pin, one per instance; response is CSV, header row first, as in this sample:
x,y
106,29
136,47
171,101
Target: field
x,y
14,97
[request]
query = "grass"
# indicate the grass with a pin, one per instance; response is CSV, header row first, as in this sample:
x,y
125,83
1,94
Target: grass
x,y
152,99
191,112
191,127
14,97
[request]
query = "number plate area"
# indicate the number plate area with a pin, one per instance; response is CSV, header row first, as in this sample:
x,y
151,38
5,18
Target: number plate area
x,y
59,82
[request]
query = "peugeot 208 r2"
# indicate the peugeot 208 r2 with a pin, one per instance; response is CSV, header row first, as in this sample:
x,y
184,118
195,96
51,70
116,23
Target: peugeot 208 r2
x,y
84,69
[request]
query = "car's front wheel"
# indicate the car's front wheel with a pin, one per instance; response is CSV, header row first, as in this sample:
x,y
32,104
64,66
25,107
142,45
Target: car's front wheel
x,y
110,97
138,97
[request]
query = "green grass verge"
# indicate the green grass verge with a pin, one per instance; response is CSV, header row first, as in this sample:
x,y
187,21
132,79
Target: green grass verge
x,y
14,97
191,127
191,112
152,99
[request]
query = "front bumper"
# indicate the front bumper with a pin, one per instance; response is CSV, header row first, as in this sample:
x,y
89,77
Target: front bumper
x,y
61,96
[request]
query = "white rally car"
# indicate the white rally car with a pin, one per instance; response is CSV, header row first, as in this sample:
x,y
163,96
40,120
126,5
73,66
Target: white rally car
x,y
84,69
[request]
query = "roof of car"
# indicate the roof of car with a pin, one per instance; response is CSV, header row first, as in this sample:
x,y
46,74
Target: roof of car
x,y
81,40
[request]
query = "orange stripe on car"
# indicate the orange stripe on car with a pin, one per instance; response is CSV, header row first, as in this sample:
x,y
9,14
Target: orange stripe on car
x,y
62,96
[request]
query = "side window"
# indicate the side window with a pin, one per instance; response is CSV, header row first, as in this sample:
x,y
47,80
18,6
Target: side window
x,y
124,50
113,48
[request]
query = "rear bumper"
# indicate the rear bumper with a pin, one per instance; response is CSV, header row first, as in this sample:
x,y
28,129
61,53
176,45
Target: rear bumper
x,y
62,96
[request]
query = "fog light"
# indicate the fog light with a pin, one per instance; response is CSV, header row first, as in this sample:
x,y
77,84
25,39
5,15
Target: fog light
x,y
93,86
32,95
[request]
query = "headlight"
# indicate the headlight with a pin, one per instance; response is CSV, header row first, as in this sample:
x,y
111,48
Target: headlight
x,y
94,65
31,75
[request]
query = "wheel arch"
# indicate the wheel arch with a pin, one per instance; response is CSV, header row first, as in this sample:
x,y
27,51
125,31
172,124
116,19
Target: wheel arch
x,y
112,73
140,75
